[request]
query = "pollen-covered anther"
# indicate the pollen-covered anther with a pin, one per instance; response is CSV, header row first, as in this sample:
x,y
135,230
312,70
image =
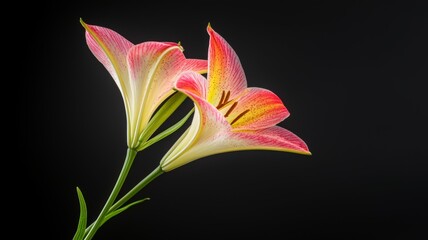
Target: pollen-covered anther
x,y
224,99
239,116
230,109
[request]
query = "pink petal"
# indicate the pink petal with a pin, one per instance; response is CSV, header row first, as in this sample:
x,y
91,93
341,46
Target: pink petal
x,y
203,138
212,120
208,123
197,65
214,137
152,68
210,133
257,108
110,48
225,71
273,138
192,84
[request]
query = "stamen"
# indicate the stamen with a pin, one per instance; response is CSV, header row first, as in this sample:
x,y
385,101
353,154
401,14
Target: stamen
x,y
230,109
239,116
226,99
221,100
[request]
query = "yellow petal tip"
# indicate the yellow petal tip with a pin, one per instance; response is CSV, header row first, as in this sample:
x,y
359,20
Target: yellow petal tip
x,y
83,23
180,46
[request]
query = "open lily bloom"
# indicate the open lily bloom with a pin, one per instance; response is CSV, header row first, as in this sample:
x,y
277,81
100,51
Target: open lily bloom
x,y
145,73
228,115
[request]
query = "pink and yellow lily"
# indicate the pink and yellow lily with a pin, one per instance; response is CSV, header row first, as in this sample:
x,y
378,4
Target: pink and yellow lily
x,y
228,115
145,73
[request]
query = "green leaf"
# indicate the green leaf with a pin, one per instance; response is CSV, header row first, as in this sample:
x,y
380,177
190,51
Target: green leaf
x,y
80,232
166,132
163,113
116,212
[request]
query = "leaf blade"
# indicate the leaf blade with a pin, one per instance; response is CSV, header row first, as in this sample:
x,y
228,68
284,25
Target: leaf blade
x,y
166,132
163,113
117,211
80,232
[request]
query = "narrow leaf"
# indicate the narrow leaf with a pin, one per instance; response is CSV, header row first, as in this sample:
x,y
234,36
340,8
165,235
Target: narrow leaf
x,y
116,212
166,132
80,232
163,113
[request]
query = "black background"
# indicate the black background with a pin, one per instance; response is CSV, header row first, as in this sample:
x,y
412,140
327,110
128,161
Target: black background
x,y
351,73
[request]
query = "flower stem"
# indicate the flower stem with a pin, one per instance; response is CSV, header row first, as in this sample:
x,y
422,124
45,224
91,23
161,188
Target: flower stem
x,y
130,156
156,173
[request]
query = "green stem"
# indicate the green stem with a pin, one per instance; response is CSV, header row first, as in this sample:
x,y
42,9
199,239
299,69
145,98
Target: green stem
x,y
156,173
130,156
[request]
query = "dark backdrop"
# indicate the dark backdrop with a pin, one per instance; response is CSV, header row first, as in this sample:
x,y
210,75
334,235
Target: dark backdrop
x,y
352,75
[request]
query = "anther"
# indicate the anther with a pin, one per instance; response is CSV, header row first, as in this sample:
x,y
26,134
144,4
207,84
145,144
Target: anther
x,y
221,100
230,109
239,116
224,99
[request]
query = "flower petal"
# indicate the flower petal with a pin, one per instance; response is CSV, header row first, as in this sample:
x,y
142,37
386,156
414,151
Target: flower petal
x,y
110,48
225,71
192,84
153,69
144,62
274,138
208,128
257,108
210,133
208,123
197,65
212,122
